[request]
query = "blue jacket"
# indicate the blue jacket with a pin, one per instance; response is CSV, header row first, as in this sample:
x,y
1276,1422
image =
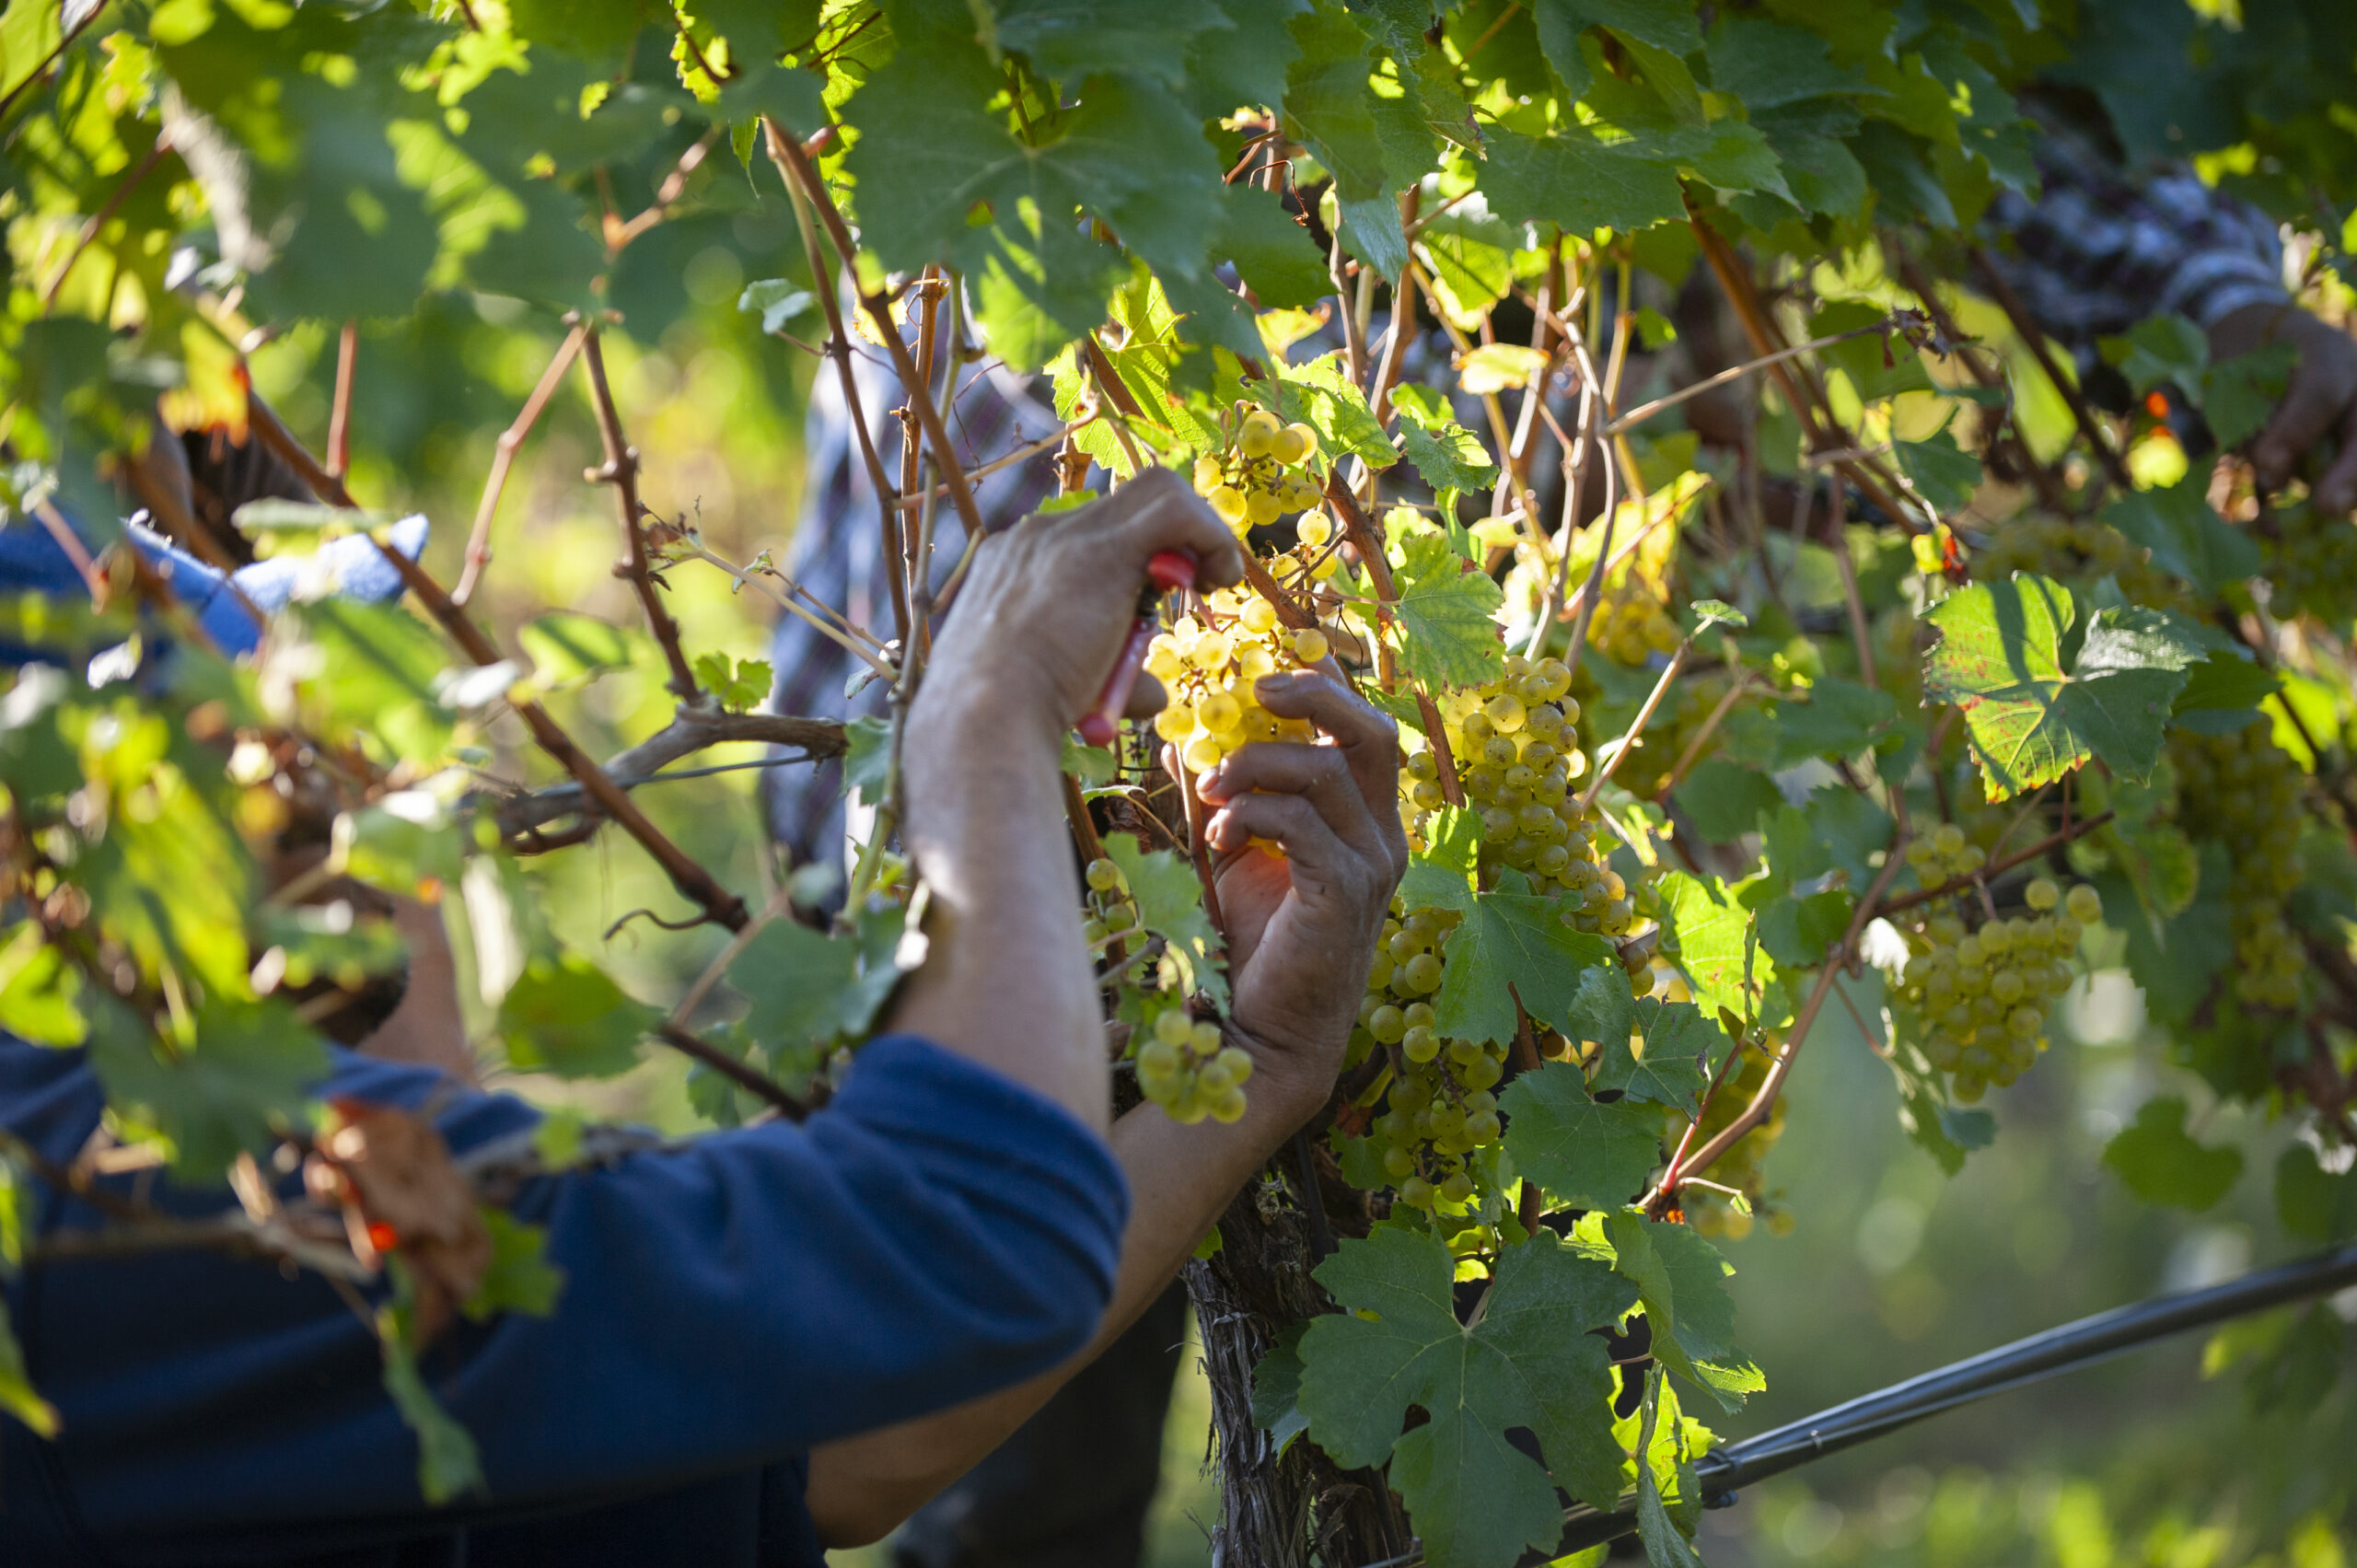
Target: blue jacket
x,y
937,1233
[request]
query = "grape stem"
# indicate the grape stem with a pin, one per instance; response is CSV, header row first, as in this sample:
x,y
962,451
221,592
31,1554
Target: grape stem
x,y
511,441
1996,869
758,1085
838,348
621,470
1378,569
1665,1196
1644,715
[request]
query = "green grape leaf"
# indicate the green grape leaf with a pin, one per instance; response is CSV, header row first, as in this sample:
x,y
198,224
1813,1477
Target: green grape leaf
x,y
1708,930
1510,938
520,1278
1939,1128
1448,456
1723,800
1067,40
1652,1050
1579,183
1271,251
1585,1153
1531,1361
1320,394
18,1396
867,756
806,990
566,1016
2000,659
1682,1281
2162,1164
1328,105
1768,64
1170,903
778,301
2188,538
2238,394
1666,25
1441,874
1372,232
566,645
1944,475
1665,1542
1276,1386
248,1072
1447,613
2164,350
448,1465
1795,932
2230,680
736,685
2313,1203
1243,65
39,988
1841,718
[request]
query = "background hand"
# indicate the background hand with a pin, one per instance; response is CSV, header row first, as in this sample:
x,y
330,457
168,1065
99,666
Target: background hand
x,y
1302,927
2320,405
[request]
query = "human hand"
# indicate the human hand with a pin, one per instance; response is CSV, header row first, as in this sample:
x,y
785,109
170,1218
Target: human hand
x,y
2321,402
1302,927
1047,605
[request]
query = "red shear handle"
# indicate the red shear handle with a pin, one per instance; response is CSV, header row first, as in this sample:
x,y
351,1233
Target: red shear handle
x,y
1169,569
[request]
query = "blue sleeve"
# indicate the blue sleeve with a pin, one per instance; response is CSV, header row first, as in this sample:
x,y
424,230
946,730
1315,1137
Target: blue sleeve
x,y
937,1232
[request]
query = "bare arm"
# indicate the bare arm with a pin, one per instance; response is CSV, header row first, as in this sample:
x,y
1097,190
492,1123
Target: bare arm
x,y
1303,930
1039,624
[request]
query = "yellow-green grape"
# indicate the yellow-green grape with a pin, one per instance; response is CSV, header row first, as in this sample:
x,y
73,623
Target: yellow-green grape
x,y
1209,476
1309,644
1977,1001
2074,551
1228,504
1185,1067
1258,439
1314,529
1104,877
1261,507
1296,443
2312,564
2243,791
1259,616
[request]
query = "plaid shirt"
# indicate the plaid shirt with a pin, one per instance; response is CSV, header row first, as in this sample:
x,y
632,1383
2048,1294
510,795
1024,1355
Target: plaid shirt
x,y
2100,248
2098,252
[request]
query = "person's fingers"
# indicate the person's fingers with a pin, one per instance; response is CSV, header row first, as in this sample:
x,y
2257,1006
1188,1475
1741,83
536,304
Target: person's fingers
x,y
2336,492
1323,869
1158,510
1318,773
1367,738
2324,385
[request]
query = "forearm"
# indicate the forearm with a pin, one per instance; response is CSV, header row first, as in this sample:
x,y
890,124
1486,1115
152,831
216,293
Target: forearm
x,y
1181,1178
1006,979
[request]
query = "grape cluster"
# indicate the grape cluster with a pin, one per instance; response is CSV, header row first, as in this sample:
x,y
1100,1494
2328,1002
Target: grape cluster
x,y
2073,550
1980,996
1185,1068
2312,564
2243,791
1947,856
1110,912
1260,477
1633,628
1210,663
1439,1111
1739,1167
1517,752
